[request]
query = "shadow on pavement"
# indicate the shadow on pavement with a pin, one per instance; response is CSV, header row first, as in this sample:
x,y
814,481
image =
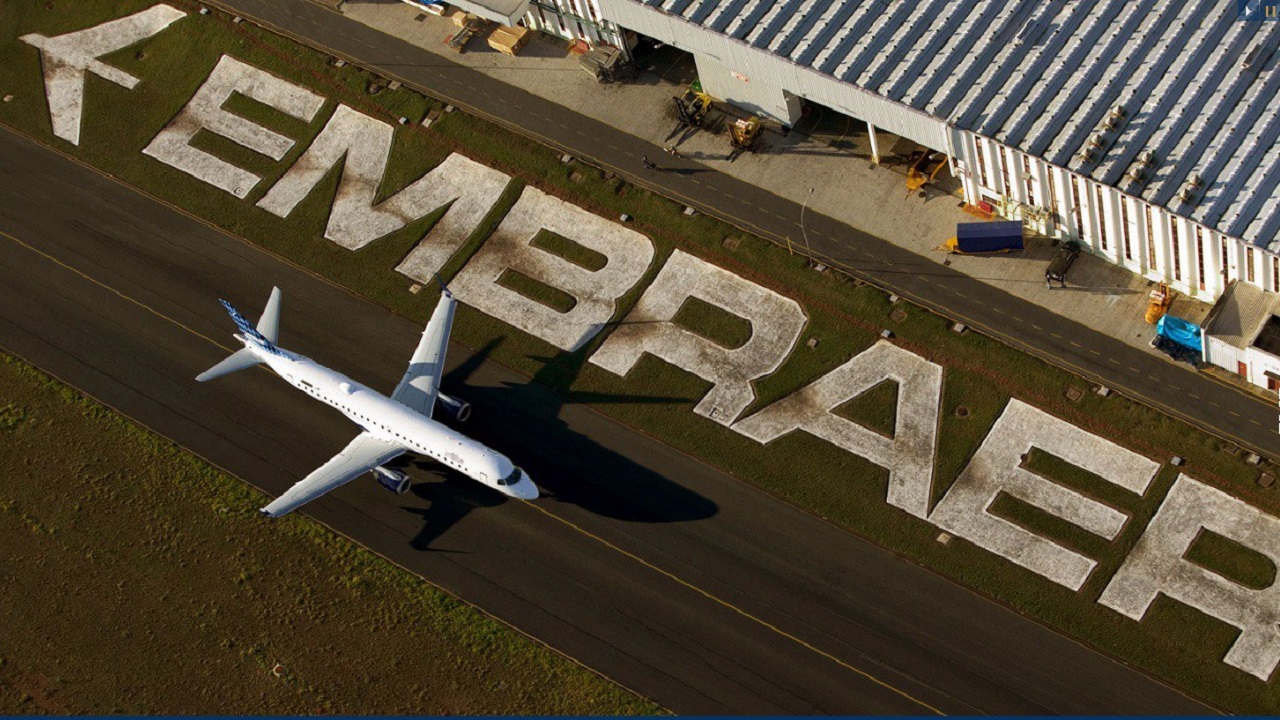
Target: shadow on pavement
x,y
567,466
449,501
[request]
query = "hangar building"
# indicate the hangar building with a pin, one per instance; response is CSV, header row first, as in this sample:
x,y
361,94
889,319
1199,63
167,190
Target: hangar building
x,y
569,19
1147,130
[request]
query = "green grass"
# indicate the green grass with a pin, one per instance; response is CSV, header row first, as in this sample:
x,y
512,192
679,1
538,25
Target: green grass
x,y
539,292
1232,560
846,318
713,323
877,408
569,250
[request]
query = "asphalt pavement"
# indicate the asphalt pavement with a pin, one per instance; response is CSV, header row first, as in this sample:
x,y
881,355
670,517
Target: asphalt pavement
x,y
1199,399
688,586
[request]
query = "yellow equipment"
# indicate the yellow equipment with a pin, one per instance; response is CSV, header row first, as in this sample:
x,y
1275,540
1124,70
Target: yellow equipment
x,y
692,107
916,174
1161,299
742,135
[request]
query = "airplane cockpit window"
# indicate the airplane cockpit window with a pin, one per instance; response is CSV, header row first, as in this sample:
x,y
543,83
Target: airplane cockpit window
x,y
510,479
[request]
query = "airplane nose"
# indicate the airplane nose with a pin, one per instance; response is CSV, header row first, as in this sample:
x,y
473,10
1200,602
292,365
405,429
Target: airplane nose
x,y
525,489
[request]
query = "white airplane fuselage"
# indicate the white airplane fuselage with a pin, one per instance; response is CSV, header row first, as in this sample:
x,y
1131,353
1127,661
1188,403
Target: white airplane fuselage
x,y
389,420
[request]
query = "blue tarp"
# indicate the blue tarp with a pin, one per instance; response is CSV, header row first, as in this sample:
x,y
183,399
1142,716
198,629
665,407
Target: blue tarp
x,y
1183,332
989,236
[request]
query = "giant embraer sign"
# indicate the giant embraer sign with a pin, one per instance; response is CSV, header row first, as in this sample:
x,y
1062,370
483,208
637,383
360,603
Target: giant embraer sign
x,y
468,190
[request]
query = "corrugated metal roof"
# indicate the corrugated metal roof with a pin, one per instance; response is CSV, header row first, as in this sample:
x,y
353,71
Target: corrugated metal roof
x,y
1239,314
1158,91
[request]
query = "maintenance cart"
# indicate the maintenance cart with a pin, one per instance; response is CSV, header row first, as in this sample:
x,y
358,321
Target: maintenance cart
x,y
607,64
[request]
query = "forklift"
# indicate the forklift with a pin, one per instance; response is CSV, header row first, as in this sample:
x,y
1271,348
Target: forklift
x,y
1158,303
691,108
742,135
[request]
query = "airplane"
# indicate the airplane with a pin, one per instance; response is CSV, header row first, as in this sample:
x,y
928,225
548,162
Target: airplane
x,y
391,426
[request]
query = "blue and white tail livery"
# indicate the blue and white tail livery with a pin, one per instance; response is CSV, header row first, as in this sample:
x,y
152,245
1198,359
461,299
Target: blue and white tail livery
x,y
270,319
391,426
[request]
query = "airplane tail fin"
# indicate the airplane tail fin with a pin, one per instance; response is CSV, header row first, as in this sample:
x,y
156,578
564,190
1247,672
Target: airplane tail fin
x,y
269,323
265,336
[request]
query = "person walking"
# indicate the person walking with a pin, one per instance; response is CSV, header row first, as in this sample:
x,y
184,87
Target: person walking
x,y
672,151
644,160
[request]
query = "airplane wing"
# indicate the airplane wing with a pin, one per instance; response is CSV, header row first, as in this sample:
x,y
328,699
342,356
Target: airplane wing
x,y
357,458
421,382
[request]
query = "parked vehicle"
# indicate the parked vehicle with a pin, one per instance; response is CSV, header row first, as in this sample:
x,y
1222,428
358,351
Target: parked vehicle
x,y
1180,339
1056,272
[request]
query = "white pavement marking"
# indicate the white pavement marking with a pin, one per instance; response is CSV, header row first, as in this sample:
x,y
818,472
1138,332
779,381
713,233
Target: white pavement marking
x,y
627,256
776,322
66,58
467,187
204,112
1158,565
907,455
997,468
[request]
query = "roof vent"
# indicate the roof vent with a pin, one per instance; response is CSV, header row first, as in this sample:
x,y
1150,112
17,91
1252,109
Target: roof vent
x,y
1257,57
1137,174
1087,155
1112,122
1186,195
1098,140
1252,57
1117,112
1031,31
1147,158
1195,180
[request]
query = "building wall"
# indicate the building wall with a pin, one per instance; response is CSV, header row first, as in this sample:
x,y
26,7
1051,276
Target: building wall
x,y
758,96
755,69
1260,363
1222,354
573,20
1144,238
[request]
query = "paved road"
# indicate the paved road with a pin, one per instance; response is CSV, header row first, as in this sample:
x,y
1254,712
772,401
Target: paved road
x,y
680,582
1199,399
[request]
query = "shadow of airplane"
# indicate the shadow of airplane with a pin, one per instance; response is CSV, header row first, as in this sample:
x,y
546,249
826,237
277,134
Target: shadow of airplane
x,y
523,421
449,500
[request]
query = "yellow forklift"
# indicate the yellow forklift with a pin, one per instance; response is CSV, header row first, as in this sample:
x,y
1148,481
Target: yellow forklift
x,y
742,135
691,108
1158,302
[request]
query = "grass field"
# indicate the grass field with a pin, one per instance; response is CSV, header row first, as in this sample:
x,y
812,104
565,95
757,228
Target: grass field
x,y
1174,642
137,579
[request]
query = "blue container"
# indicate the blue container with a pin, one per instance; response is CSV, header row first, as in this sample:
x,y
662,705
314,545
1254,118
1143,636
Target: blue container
x,y
980,237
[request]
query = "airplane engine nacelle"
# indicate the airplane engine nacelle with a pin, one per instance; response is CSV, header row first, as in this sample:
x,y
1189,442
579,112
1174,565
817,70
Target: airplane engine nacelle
x,y
459,410
393,480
